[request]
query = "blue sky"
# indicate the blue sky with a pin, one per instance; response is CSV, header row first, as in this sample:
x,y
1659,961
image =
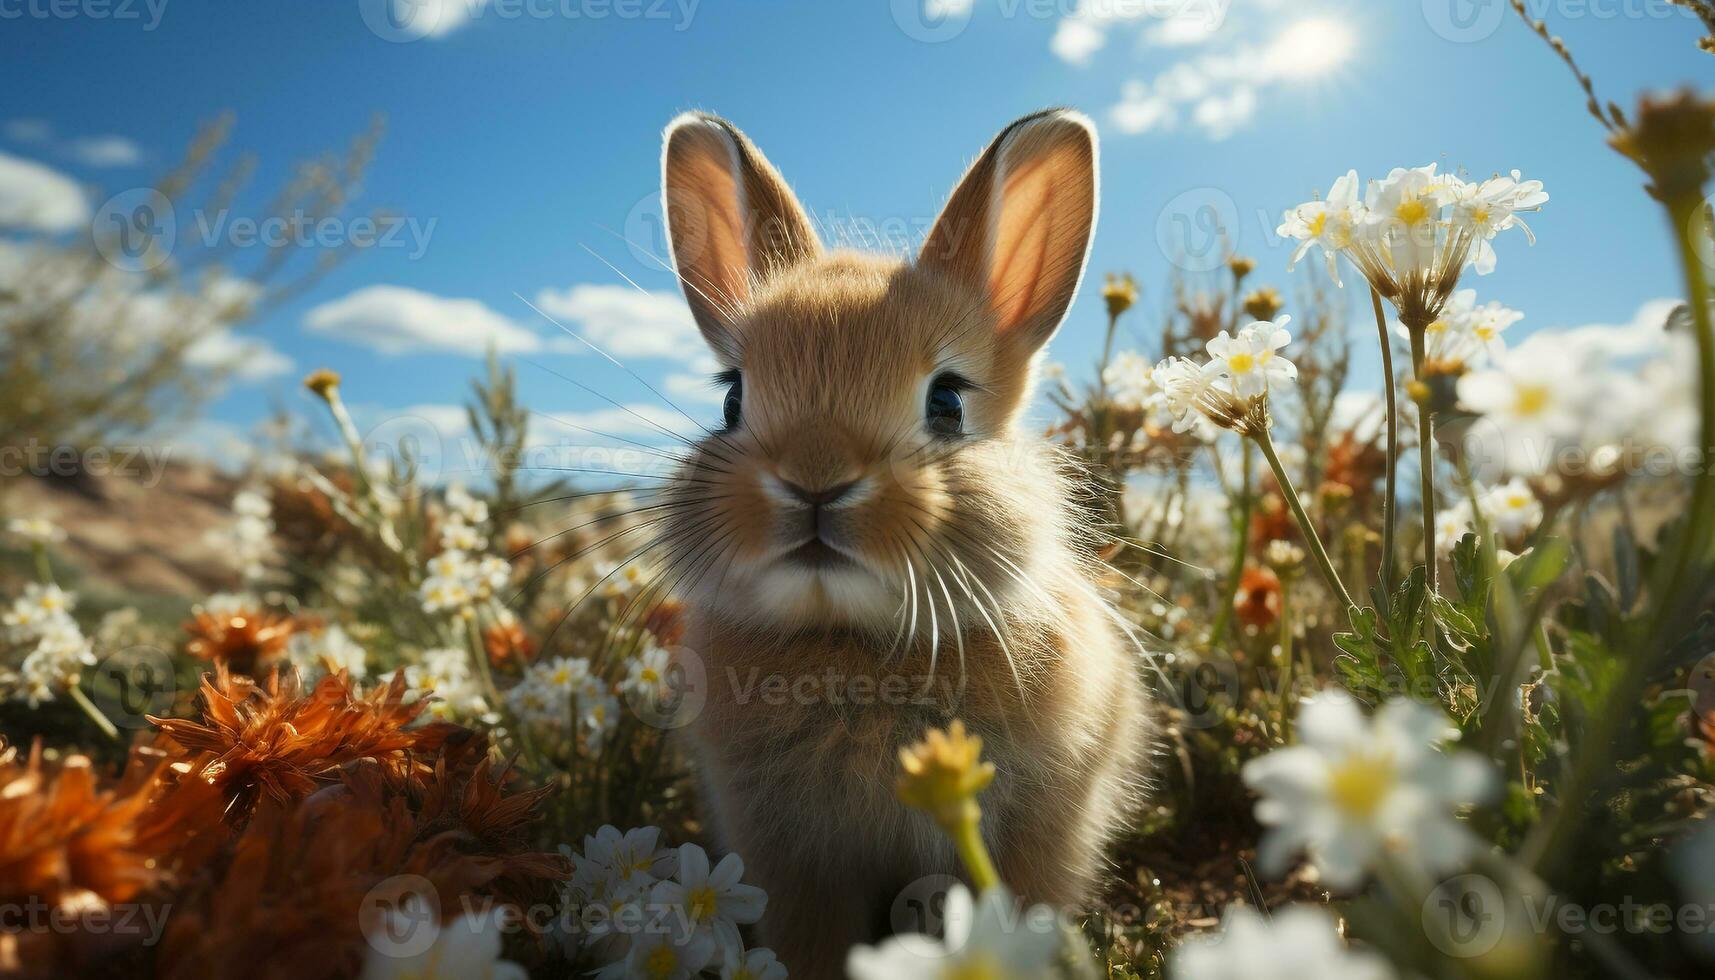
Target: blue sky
x,y
520,134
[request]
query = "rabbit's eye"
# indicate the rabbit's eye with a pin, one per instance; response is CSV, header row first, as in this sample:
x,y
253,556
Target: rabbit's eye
x,y
945,411
734,400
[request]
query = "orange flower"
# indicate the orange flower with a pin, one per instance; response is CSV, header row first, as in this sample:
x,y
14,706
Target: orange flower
x,y
667,622
305,881
1272,520
243,640
506,642
78,848
1258,601
272,740
1355,465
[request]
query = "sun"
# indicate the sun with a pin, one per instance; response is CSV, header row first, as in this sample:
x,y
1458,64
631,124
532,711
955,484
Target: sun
x,y
1311,48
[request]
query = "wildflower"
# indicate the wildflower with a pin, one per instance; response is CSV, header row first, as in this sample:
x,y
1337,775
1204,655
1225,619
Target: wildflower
x,y
465,508
1329,224
275,740
461,537
1511,509
35,530
55,665
752,964
1530,400
1128,380
1295,942
1414,232
1452,524
244,638
1231,390
1120,292
1351,791
1263,304
1492,207
445,673
986,937
943,774
78,846
1258,600
649,676
324,382
1672,138
715,902
39,609
598,716
505,641
330,648
1465,333
1283,556
664,954
1249,361
468,948
624,866
1240,266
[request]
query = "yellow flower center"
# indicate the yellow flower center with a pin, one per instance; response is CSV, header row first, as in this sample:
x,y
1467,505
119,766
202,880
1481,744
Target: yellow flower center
x,y
661,962
1439,326
1480,215
1360,783
649,674
1318,224
1531,399
979,967
700,904
1241,363
1412,211
1517,501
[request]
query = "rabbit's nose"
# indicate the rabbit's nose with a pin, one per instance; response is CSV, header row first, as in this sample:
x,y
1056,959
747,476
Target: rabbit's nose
x,y
823,497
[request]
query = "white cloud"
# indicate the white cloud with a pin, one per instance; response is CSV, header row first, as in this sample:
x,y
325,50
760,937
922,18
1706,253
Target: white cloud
x,y
1239,56
104,151
395,320
624,322
28,130
247,358
38,198
692,388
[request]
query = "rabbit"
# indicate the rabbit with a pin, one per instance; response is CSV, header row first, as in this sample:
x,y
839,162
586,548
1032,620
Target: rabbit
x,y
869,545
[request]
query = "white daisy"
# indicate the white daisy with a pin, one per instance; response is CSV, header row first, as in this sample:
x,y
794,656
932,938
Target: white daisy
x,y
990,938
1294,943
1352,789
715,902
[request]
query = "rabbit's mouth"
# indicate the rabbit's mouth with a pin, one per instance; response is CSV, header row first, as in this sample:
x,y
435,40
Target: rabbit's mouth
x,y
818,555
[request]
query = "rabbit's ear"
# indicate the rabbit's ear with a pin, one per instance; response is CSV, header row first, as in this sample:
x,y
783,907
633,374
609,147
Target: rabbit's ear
x,y
1017,229
731,220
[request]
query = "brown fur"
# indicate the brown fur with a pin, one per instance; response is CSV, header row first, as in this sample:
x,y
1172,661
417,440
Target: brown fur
x,y
970,596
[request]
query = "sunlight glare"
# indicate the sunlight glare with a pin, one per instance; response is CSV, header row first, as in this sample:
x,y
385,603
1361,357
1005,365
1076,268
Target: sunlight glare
x,y
1310,48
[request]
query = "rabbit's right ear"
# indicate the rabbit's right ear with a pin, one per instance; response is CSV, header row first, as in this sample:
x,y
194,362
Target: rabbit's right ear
x,y
731,221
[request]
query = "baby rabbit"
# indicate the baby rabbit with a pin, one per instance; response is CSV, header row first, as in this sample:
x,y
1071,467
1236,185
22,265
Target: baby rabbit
x,y
869,545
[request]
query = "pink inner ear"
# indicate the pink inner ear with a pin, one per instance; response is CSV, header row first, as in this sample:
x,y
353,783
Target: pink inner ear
x,y
717,262
1020,257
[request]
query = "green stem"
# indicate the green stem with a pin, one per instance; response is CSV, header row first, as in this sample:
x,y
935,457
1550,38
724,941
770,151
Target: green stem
x,y
968,840
1241,538
1390,502
95,714
1311,538
1426,463
44,569
480,654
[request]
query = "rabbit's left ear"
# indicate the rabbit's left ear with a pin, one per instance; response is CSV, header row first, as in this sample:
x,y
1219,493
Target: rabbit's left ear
x,y
1017,229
